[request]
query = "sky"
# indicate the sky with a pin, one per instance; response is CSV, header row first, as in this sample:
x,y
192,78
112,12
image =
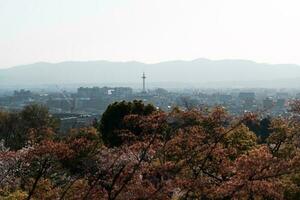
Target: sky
x,y
148,30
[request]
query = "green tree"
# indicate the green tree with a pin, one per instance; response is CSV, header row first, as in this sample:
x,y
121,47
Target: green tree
x,y
33,123
241,139
112,119
260,127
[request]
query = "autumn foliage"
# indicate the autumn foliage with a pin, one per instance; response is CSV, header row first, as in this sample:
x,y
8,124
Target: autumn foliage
x,y
178,155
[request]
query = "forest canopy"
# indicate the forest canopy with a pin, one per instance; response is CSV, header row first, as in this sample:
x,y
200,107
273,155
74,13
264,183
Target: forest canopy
x,y
138,152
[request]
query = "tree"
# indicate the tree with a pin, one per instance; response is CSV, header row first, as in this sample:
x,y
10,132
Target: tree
x,y
241,140
85,143
112,119
42,165
261,127
178,155
34,123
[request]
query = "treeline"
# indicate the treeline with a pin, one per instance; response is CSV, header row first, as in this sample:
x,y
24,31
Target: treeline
x,y
138,152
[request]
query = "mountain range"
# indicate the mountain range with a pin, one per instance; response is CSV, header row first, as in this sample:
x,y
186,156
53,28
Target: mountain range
x,y
195,73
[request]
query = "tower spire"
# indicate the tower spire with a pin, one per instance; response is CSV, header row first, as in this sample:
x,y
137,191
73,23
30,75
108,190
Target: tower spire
x,y
144,82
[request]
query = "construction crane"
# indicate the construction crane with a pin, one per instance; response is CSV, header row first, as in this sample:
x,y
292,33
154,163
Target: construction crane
x,y
67,98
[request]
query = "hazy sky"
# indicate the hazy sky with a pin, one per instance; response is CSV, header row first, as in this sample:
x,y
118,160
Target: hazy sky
x,y
148,30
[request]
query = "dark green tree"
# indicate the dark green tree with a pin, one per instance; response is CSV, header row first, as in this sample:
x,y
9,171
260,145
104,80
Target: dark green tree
x,y
17,128
260,127
112,119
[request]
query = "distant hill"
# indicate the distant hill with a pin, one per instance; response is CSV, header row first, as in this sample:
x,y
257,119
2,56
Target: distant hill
x,y
198,73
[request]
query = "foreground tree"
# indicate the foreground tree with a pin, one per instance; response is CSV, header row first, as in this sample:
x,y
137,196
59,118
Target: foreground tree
x,y
34,123
112,119
178,155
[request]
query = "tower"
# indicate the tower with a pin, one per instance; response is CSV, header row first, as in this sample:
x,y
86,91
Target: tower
x,y
144,82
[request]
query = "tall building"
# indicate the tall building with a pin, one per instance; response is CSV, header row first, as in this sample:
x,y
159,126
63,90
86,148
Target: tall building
x,y
144,82
247,100
268,103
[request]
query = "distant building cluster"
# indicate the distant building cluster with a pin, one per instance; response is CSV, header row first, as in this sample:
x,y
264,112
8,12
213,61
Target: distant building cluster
x,y
80,108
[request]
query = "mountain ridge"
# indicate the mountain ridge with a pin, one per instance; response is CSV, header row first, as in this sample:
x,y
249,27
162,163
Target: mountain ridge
x,y
198,71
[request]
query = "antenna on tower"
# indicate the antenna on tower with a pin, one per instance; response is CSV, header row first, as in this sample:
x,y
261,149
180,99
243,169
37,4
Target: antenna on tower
x,y
144,82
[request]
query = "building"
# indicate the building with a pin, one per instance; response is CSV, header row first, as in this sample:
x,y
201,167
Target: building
x,y
268,103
